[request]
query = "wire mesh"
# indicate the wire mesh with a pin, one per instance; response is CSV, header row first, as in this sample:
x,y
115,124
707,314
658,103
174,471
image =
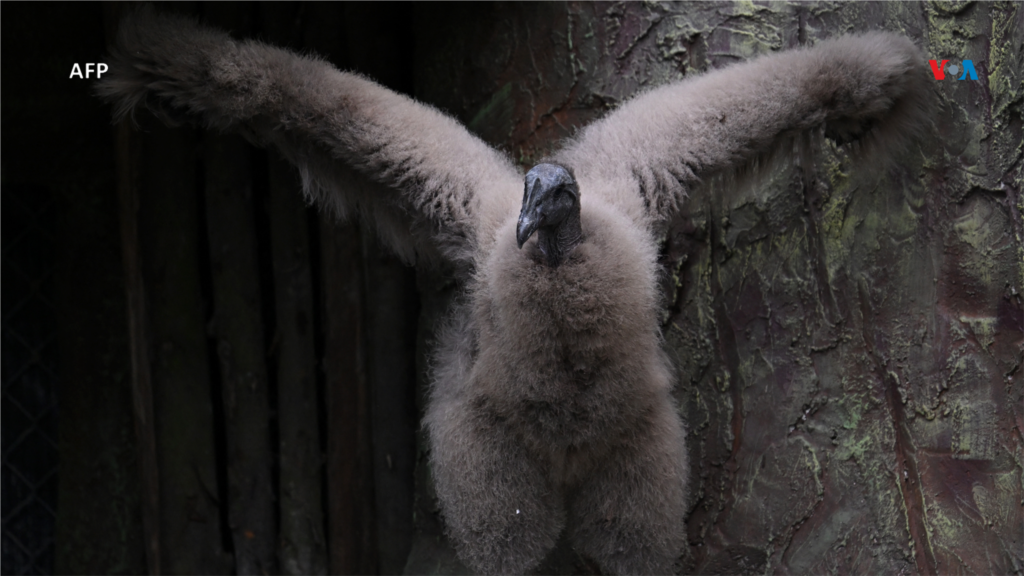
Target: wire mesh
x,y
28,380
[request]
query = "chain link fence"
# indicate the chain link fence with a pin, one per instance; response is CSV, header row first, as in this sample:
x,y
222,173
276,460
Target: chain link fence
x,y
29,381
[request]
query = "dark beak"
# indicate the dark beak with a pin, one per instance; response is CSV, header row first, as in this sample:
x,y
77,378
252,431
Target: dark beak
x,y
527,226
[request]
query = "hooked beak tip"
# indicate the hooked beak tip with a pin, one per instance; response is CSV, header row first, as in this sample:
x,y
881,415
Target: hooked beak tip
x,y
524,230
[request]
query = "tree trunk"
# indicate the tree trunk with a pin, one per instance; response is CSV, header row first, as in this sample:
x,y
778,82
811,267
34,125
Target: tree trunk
x,y
848,340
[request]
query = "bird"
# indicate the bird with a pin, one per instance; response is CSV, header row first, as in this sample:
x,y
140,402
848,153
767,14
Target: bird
x,y
550,407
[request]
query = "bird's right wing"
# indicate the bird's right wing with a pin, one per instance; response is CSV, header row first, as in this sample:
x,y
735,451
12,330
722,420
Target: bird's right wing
x,y
416,173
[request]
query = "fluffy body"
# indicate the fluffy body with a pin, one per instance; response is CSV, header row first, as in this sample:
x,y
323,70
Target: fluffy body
x,y
550,405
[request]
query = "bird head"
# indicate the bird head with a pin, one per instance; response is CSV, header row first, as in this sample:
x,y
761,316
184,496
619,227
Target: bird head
x,y
551,199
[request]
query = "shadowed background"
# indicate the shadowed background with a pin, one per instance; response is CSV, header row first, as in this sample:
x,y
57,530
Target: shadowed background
x,y
203,375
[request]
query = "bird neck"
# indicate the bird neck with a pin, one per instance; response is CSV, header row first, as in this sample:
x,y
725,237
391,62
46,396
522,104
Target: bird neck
x,y
557,242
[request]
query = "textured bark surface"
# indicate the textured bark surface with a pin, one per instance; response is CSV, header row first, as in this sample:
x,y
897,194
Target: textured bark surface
x,y
848,339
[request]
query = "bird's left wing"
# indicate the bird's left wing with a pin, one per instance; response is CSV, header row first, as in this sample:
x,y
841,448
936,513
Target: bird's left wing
x,y
418,174
658,146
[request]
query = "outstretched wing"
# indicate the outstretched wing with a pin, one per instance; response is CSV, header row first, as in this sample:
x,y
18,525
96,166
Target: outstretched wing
x,y
662,143
416,173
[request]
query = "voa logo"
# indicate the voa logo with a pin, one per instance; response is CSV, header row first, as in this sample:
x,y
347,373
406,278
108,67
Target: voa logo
x,y
965,69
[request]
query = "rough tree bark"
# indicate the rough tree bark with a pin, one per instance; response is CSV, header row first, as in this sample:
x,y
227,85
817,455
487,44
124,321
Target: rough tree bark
x,y
848,340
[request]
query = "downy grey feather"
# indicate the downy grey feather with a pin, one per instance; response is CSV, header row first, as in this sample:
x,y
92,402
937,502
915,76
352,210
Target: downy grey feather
x,y
550,406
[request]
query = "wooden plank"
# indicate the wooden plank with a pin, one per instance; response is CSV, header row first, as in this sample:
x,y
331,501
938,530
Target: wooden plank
x,y
128,163
351,533
302,548
237,327
380,45
351,528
